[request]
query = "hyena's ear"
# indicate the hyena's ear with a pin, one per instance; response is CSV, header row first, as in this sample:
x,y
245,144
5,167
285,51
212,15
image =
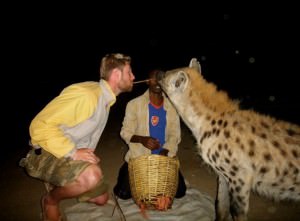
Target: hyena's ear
x,y
181,81
194,63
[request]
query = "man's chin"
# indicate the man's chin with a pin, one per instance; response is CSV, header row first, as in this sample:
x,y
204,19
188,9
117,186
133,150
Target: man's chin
x,y
128,89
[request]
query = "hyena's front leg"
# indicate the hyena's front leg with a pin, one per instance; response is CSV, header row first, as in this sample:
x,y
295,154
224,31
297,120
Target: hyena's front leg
x,y
239,190
222,203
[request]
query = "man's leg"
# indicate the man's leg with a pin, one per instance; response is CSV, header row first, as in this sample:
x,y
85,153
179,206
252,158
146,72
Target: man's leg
x,y
181,186
86,181
122,188
100,200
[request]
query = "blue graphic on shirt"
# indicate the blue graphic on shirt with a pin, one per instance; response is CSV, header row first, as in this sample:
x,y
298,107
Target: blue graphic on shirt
x,y
157,125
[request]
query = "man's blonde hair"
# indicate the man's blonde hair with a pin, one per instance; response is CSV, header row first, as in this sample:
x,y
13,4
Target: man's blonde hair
x,y
112,61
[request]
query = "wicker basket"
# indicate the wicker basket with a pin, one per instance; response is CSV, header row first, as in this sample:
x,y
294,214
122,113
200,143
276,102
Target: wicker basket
x,y
152,176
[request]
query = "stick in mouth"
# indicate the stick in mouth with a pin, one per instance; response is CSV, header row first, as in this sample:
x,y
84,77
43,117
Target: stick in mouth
x,y
137,82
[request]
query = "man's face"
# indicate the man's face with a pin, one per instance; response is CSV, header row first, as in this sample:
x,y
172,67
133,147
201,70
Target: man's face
x,y
153,83
126,81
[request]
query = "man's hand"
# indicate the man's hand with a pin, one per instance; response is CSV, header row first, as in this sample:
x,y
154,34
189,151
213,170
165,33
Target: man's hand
x,y
150,143
164,152
85,154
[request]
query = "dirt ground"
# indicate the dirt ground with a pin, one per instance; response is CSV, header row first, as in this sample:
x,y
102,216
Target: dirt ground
x,y
21,194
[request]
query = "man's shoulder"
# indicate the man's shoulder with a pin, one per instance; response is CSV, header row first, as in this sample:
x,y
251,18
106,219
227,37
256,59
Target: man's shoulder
x,y
138,99
86,84
134,101
87,87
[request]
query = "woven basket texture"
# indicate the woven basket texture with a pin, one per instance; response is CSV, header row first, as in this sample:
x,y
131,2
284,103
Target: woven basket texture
x,y
152,176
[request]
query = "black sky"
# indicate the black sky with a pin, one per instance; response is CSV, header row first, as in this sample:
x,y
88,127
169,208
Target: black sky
x,y
248,49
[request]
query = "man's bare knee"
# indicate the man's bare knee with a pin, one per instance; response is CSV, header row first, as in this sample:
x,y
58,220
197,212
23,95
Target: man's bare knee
x,y
90,176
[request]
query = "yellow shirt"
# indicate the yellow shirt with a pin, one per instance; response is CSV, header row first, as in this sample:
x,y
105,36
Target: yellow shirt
x,y
71,119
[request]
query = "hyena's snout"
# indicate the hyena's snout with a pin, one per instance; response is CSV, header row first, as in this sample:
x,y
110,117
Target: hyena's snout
x,y
160,75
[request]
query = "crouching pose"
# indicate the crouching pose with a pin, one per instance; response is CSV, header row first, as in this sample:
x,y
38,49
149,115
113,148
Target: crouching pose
x,y
66,132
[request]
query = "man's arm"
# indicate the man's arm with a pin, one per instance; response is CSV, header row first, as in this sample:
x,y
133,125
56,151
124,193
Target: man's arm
x,y
148,142
72,106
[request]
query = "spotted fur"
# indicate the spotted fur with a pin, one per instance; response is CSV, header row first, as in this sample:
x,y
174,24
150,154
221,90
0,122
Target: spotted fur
x,y
249,151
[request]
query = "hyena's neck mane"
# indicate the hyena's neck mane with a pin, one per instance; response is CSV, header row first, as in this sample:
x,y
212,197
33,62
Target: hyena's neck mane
x,y
207,93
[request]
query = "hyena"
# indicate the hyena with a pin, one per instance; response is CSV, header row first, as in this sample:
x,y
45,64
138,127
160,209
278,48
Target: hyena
x,y
247,150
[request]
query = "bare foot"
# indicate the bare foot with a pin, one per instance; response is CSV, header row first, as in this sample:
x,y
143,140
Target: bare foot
x,y
50,210
100,200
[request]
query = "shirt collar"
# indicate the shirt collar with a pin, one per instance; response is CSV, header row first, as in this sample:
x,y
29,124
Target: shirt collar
x,y
107,92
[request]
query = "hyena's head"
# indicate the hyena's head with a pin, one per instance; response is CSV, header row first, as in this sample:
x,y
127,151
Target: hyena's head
x,y
186,87
178,83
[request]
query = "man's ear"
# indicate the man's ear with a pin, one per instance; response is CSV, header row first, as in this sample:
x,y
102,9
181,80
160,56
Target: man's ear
x,y
116,74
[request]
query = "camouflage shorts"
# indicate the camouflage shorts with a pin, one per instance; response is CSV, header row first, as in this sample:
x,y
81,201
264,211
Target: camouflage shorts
x,y
59,171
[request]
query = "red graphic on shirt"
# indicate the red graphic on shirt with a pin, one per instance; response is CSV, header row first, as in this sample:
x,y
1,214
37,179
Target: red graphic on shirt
x,y
154,120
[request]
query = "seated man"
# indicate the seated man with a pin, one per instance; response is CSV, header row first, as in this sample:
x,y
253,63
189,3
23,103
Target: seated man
x,y
151,125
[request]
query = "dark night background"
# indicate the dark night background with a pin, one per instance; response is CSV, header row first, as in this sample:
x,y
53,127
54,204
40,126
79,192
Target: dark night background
x,y
249,50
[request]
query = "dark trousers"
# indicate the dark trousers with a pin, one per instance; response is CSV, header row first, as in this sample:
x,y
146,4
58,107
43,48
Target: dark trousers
x,y
122,188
